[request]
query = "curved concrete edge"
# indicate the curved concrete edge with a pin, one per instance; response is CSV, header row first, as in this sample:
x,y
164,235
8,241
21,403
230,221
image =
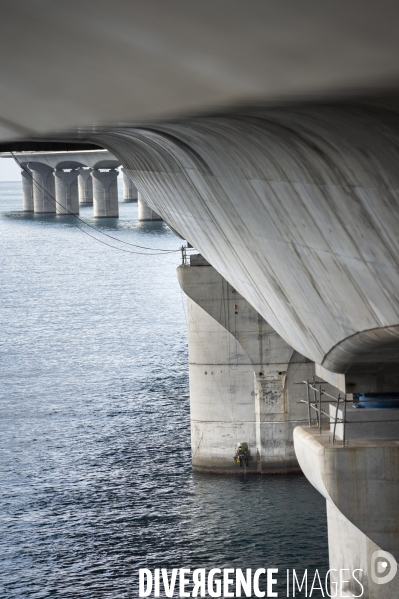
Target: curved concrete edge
x,y
207,288
361,479
311,458
360,483
363,350
278,201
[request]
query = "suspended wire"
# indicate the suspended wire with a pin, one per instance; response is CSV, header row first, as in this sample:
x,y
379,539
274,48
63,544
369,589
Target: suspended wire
x,y
158,251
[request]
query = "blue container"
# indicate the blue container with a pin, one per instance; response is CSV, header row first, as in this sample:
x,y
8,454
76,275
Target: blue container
x,y
376,400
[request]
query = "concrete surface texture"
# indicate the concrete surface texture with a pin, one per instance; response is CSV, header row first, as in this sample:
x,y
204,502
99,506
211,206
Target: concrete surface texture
x,y
129,188
360,484
243,379
85,183
221,395
66,192
297,208
100,159
105,193
81,162
145,212
294,205
43,188
27,192
139,60
267,135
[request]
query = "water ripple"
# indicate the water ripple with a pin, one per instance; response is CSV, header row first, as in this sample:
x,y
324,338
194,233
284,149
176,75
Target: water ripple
x,y
94,440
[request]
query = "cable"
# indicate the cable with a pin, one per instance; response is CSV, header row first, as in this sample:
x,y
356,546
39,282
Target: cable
x,y
80,219
159,251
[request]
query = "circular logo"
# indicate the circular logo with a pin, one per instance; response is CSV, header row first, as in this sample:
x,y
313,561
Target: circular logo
x,y
383,567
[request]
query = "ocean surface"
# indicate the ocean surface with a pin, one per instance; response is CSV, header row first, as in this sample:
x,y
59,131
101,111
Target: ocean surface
x,y
96,477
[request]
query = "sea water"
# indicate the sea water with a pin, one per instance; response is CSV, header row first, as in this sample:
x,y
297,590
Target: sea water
x,y
96,478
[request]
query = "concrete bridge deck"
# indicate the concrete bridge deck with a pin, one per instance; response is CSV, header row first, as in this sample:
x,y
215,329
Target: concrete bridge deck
x,y
267,135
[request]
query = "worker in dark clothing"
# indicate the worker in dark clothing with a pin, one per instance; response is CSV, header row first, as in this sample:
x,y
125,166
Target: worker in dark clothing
x,y
241,456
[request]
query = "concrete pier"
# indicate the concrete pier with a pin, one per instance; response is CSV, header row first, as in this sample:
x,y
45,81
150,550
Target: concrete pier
x,y
360,482
145,213
43,188
242,379
67,191
129,188
27,192
105,193
85,183
221,395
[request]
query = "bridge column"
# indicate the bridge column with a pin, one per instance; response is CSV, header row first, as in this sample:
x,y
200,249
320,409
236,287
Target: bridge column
x,y
105,193
360,482
221,395
242,379
27,192
43,188
129,188
66,191
144,211
85,183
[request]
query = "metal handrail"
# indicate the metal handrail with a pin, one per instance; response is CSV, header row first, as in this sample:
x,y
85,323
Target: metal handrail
x,y
185,254
340,400
316,406
184,257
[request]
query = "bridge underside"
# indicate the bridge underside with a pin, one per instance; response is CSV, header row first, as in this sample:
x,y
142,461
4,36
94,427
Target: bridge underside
x,y
296,207
293,202
267,135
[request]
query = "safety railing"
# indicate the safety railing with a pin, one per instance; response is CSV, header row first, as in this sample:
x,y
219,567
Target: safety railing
x,y
314,388
314,401
184,256
186,252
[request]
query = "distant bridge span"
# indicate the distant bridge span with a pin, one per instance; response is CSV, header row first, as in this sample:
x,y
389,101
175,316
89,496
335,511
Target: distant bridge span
x,y
267,135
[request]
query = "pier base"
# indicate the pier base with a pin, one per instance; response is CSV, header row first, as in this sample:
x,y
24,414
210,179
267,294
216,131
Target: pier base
x,y
66,192
105,193
43,188
85,183
221,395
145,213
242,379
129,188
360,482
27,192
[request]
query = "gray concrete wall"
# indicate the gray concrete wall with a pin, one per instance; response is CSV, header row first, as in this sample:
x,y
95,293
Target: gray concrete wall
x,y
279,201
360,484
242,379
221,395
360,423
